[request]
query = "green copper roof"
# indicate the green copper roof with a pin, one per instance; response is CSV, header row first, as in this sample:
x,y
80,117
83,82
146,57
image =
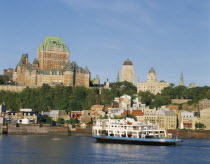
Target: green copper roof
x,y
181,80
50,42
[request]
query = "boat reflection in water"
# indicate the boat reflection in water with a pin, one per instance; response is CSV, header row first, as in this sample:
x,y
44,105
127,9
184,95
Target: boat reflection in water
x,y
130,131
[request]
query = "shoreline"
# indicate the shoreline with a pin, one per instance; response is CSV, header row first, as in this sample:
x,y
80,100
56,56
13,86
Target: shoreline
x,y
46,130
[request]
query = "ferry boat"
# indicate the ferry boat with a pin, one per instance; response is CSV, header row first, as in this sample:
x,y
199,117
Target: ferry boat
x,y
130,131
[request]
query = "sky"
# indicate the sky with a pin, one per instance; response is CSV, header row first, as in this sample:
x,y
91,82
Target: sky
x,y
173,36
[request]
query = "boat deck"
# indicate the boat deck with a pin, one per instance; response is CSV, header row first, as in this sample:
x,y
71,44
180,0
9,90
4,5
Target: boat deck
x,y
142,141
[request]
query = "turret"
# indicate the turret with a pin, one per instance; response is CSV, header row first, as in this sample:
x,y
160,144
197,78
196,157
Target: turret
x,y
181,83
152,75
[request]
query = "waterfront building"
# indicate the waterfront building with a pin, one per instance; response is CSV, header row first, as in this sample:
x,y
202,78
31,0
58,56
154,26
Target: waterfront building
x,y
52,67
85,117
55,114
205,118
75,114
127,72
174,108
97,112
66,117
137,113
186,119
166,119
203,104
13,117
149,114
152,85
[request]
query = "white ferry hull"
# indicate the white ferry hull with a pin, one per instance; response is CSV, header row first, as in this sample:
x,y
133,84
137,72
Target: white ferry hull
x,y
142,141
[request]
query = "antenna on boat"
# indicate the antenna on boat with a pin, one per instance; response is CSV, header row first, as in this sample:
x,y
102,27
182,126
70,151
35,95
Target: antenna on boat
x,y
109,114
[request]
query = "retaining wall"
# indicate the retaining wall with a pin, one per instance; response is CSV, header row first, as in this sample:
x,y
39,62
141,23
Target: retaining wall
x,y
37,130
198,134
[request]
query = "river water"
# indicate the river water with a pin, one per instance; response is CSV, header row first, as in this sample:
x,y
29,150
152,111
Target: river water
x,y
28,149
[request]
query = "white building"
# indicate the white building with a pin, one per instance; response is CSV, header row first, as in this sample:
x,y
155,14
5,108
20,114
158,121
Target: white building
x,y
187,120
152,84
55,114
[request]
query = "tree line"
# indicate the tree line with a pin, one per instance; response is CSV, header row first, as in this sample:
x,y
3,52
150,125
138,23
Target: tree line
x,y
71,98
174,92
66,98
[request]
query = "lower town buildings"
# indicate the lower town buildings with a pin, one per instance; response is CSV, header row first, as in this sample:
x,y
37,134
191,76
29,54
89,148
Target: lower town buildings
x,y
55,114
97,112
14,117
187,120
85,117
166,119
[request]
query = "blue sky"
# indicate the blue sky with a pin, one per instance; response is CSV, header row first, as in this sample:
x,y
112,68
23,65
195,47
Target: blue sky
x,y
171,36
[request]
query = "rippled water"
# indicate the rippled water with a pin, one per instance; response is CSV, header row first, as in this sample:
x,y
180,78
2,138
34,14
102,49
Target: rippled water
x,y
53,149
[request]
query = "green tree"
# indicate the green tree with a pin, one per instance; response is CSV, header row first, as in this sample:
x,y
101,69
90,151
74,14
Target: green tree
x,y
60,121
180,92
208,94
199,126
73,121
168,91
106,96
146,97
4,79
105,117
160,101
124,87
46,119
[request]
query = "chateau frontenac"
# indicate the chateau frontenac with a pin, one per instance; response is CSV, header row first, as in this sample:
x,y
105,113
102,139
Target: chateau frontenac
x,y
51,67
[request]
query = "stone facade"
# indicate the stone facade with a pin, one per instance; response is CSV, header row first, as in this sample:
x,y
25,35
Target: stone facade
x,y
12,88
186,119
15,116
97,112
55,114
203,104
85,117
205,118
166,119
152,84
8,72
149,115
127,73
174,108
52,67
